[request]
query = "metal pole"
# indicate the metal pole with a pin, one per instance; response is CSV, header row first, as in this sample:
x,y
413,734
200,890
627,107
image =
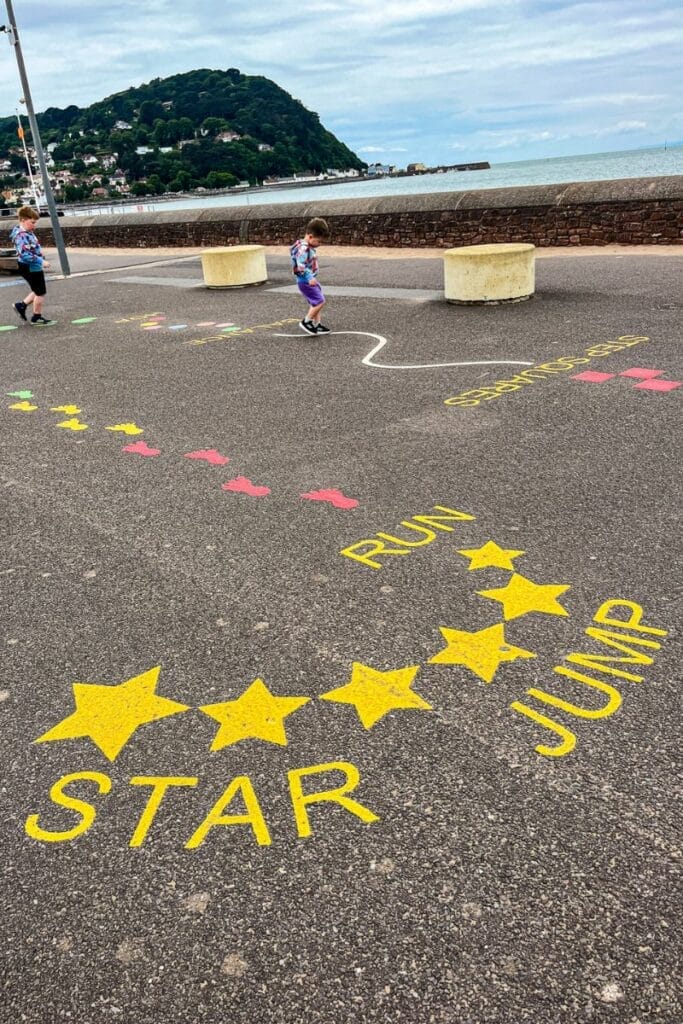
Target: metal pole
x,y
40,156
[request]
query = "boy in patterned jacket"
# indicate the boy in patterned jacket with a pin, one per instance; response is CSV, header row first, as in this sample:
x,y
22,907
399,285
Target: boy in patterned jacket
x,y
305,269
31,264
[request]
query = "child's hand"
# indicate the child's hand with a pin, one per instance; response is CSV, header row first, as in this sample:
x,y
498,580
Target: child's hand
x,y
314,282
46,265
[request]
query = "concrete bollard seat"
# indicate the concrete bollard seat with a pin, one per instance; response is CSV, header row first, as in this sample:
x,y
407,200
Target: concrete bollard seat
x,y
234,266
489,273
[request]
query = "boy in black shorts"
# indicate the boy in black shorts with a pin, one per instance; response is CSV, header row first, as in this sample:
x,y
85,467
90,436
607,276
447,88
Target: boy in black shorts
x,y
31,265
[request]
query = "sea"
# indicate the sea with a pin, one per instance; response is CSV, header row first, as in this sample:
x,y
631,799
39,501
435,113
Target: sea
x,y
635,163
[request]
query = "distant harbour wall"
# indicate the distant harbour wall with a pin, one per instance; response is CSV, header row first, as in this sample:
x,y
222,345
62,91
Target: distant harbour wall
x,y
630,211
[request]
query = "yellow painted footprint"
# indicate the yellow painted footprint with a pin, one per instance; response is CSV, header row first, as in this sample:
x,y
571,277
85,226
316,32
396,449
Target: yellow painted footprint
x,y
72,424
70,410
126,428
23,407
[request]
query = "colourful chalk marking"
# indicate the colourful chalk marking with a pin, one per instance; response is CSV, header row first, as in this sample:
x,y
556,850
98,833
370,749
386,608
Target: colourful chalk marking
x,y
70,410
592,376
20,394
125,428
243,485
657,385
72,424
230,324
230,330
84,320
151,327
208,455
141,448
23,407
333,496
641,374
206,323
177,327
9,327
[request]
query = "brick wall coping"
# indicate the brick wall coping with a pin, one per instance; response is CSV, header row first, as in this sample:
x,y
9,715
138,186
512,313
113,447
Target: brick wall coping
x,y
567,194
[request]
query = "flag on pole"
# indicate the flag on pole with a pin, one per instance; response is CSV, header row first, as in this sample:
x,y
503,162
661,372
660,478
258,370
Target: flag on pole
x,y
20,132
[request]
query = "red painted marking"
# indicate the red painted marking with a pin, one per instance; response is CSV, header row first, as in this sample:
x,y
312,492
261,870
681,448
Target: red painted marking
x,y
209,455
333,496
657,385
641,374
141,448
592,376
245,486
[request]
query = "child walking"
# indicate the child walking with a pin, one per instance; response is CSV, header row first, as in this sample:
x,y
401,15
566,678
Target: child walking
x,y
305,269
31,263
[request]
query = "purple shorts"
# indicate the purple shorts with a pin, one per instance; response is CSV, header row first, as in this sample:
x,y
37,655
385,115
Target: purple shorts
x,y
313,293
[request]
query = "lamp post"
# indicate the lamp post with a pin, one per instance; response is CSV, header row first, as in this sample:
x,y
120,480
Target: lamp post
x,y
13,36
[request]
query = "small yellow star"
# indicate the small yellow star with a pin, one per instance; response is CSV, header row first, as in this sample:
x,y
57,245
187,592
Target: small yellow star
x,y
490,556
109,715
256,715
375,693
522,596
482,652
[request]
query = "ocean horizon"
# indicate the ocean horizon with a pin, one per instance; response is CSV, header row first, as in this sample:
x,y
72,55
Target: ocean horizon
x,y
656,161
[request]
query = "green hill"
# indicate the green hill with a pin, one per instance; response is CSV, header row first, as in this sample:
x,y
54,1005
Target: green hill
x,y
166,136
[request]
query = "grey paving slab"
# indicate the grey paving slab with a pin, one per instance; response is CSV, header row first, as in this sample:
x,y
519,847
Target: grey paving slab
x,y
452,566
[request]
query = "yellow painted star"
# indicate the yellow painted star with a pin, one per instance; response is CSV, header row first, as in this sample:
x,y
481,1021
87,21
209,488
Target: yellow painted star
x,y
522,596
256,715
375,693
482,652
109,715
490,556
23,407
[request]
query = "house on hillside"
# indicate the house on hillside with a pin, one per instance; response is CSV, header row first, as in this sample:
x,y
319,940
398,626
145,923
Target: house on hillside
x,y
228,136
122,126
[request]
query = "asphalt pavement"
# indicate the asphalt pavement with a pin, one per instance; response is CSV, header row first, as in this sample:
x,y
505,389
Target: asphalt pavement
x,y
340,673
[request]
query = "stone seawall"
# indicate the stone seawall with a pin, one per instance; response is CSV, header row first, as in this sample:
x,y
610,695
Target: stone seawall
x,y
632,211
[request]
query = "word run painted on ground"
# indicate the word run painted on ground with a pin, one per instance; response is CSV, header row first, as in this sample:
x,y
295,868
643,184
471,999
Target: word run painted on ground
x,y
542,371
367,551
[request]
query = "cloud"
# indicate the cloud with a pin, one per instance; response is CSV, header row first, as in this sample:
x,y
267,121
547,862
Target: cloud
x,y
435,74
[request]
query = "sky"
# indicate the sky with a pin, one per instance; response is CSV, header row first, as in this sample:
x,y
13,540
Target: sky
x,y
399,81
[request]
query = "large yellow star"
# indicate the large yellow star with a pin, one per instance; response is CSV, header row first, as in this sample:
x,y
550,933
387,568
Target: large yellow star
x,y
375,693
109,715
256,715
482,652
490,556
522,596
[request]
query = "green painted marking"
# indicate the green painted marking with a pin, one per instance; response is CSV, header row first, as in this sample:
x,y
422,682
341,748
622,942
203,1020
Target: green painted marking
x,y
10,327
84,320
20,394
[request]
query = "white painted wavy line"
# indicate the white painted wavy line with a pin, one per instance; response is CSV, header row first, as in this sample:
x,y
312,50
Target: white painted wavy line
x,y
382,341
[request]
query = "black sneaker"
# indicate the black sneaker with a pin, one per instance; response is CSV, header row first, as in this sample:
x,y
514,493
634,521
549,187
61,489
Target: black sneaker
x,y
21,308
40,321
321,329
308,326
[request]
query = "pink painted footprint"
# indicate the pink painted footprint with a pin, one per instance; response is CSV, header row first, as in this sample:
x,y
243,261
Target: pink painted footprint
x,y
333,496
141,448
209,455
242,485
